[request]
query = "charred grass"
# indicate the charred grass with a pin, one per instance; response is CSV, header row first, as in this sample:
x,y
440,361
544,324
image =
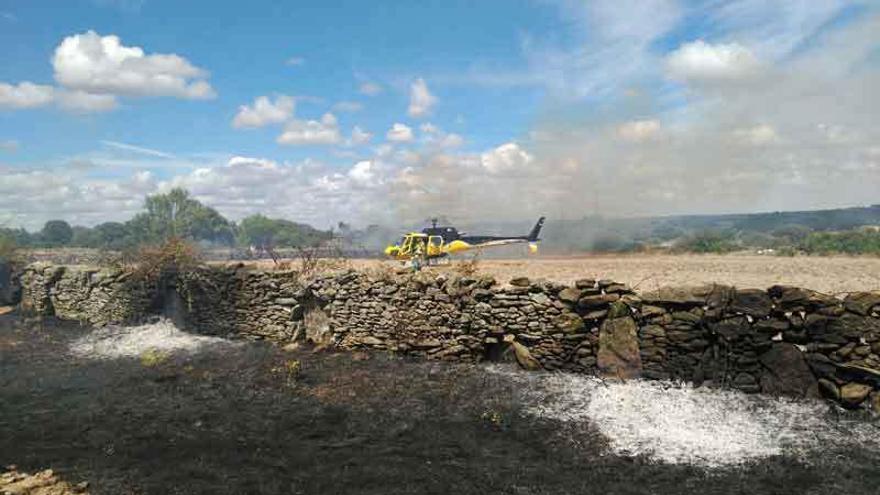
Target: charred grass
x,y
246,419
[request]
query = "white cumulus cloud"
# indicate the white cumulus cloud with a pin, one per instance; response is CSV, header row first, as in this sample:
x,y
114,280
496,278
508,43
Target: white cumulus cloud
x,y
311,132
103,65
25,95
421,101
703,62
509,157
360,136
399,133
264,112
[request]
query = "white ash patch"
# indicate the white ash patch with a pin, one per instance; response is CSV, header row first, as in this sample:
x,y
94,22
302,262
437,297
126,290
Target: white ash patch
x,y
118,341
676,423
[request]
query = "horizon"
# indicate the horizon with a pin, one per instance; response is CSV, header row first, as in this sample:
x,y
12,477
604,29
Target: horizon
x,y
377,114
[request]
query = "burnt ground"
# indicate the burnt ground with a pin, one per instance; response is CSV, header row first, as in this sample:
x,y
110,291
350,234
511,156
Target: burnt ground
x,y
241,420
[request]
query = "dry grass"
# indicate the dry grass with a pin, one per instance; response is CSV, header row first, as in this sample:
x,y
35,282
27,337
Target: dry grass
x,y
832,274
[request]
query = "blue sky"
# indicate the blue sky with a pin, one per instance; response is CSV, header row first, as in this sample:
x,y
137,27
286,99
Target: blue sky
x,y
397,111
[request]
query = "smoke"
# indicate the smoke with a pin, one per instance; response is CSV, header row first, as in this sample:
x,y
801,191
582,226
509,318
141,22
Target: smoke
x,y
784,119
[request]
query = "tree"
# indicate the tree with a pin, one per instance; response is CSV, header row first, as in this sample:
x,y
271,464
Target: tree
x,y
263,232
56,233
176,214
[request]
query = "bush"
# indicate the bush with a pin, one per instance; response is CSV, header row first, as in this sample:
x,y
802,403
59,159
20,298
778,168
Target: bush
x,y
709,241
846,242
152,263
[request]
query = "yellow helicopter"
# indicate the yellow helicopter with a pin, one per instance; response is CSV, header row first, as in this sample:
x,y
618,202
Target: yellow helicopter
x,y
434,243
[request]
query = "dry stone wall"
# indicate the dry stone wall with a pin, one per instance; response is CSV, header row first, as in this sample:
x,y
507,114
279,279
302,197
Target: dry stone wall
x,y
783,340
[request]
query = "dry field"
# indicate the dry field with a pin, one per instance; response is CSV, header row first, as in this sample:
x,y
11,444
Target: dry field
x,y
825,274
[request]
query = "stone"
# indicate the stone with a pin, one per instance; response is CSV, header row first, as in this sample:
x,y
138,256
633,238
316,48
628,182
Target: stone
x,y
296,313
570,295
524,357
746,382
539,298
853,394
731,328
683,296
753,302
286,301
570,323
585,283
595,302
829,389
520,282
786,372
861,302
427,344
618,354
649,311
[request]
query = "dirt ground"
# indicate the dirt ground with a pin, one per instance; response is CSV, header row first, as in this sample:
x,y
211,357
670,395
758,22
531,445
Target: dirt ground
x,y
244,419
831,275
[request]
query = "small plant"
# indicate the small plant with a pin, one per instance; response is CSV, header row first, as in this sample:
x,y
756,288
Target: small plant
x,y
494,419
152,263
289,371
153,357
468,267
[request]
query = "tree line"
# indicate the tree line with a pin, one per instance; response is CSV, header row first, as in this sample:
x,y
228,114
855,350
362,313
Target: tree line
x,y
174,214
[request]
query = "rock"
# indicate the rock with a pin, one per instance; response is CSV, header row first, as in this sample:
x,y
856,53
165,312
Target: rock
x,y
570,323
649,311
570,295
296,313
861,302
853,394
618,354
786,372
520,282
746,383
829,389
731,328
684,296
753,302
481,294
585,283
285,301
595,302
539,298
524,357
427,344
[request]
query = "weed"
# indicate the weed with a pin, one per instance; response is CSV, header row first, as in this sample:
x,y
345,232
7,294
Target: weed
x,y
153,357
289,371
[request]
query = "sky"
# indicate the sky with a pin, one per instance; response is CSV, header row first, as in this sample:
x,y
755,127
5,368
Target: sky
x,y
397,111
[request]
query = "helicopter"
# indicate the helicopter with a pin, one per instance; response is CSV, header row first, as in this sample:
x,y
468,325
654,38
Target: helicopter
x,y
434,243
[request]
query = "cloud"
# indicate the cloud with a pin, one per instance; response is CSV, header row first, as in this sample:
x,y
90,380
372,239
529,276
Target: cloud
x,y
701,62
399,133
311,132
348,106
759,135
360,136
81,101
436,137
9,145
370,88
99,64
25,95
507,158
264,112
639,130
421,101
136,149
295,61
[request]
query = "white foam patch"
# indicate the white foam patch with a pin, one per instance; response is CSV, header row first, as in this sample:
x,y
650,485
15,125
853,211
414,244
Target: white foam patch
x,y
117,342
676,423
